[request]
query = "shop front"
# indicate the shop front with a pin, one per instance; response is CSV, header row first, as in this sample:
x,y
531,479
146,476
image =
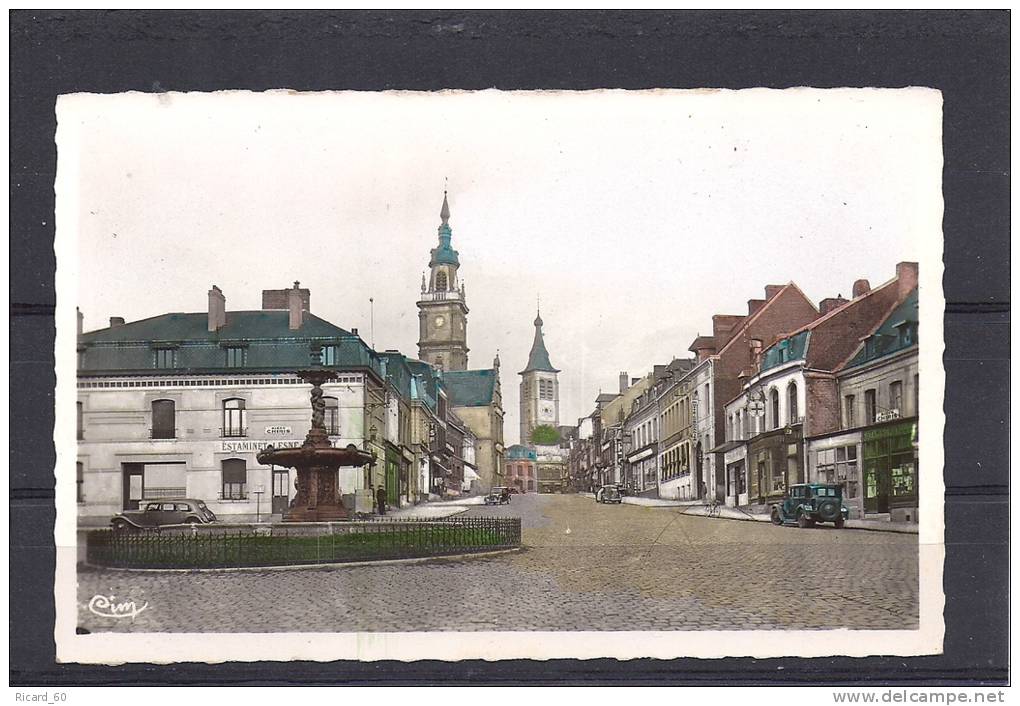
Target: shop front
x,y
775,461
890,470
735,462
835,458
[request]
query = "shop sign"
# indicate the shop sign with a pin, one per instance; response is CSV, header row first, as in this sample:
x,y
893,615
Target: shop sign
x,y
278,430
889,432
256,445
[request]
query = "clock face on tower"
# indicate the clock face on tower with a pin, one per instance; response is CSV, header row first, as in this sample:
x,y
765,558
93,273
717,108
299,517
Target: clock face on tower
x,y
440,321
545,410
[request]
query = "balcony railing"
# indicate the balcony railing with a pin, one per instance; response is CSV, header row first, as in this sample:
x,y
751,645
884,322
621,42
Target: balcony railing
x,y
234,432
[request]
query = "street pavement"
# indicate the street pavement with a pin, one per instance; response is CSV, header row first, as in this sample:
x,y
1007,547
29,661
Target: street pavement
x,y
584,566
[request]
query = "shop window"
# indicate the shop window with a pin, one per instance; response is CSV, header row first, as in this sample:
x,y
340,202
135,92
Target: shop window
x,y
332,417
234,417
80,479
839,465
870,407
164,420
235,356
902,479
848,412
235,479
791,396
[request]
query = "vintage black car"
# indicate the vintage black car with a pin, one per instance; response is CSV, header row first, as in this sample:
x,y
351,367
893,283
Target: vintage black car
x,y
498,496
609,494
809,503
152,514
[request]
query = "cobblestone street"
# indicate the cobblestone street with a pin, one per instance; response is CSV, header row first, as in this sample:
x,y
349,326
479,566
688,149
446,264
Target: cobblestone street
x,y
584,566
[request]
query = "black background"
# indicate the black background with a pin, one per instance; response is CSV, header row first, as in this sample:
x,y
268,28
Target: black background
x,y
965,54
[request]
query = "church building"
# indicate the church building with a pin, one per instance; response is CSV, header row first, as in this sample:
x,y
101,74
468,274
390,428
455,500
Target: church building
x,y
540,388
475,396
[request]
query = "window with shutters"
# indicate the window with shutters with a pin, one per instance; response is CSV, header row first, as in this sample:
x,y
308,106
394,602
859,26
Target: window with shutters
x,y
164,419
235,479
165,357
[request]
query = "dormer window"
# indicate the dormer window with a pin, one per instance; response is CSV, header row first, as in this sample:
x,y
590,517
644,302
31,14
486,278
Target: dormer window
x,y
330,355
235,356
165,358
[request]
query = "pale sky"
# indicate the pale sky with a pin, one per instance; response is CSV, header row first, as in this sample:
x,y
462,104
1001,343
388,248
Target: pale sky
x,y
635,215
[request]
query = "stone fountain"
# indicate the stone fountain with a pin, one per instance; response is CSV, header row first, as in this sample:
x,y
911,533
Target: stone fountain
x,y
317,461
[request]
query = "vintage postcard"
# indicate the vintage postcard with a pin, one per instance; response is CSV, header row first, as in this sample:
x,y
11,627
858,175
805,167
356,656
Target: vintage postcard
x,y
677,412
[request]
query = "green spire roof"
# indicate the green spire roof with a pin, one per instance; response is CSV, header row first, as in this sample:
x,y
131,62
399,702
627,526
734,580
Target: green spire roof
x,y
444,254
538,359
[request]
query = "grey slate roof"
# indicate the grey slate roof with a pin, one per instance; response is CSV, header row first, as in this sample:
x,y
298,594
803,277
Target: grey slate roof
x,y
268,343
538,359
470,388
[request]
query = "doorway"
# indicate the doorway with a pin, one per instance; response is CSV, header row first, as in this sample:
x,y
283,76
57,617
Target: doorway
x,y
281,489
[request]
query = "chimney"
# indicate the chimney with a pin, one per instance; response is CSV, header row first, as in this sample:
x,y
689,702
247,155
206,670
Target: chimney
x,y
906,278
294,305
354,331
830,304
723,327
753,305
862,287
623,382
116,321
772,290
217,309
81,322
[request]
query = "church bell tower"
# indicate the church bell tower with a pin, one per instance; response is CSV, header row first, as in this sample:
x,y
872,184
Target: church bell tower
x,y
442,311
540,388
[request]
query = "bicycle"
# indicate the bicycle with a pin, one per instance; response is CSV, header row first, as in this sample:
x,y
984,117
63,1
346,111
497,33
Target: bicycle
x,y
714,508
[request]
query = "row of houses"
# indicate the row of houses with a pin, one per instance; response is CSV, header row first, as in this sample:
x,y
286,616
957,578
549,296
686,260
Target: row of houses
x,y
787,393
178,405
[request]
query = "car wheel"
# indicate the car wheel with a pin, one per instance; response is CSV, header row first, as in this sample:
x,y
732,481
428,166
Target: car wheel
x,y
120,526
840,523
803,521
777,519
193,521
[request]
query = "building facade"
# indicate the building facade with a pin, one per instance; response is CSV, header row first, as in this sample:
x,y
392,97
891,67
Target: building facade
x,y
520,468
180,404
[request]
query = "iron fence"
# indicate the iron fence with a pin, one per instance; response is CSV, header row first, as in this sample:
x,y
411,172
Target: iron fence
x,y
212,546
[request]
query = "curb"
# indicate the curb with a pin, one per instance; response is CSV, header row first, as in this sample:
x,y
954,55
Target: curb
x,y
890,530
305,567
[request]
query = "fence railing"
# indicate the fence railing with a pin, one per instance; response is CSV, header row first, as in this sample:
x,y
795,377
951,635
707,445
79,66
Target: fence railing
x,y
219,546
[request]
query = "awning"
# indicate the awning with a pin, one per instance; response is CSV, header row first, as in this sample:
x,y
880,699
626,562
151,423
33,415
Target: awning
x,y
726,446
470,475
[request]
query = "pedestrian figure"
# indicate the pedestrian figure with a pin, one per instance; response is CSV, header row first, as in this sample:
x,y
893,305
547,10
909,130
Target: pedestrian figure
x,y
380,497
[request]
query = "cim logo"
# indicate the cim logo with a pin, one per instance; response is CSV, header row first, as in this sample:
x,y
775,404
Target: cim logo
x,y
109,607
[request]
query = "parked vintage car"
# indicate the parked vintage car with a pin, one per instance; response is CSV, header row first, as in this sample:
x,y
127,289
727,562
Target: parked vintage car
x,y
808,503
152,514
498,496
609,494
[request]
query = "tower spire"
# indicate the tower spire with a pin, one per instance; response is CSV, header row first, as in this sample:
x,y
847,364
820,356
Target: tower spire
x,y
444,213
